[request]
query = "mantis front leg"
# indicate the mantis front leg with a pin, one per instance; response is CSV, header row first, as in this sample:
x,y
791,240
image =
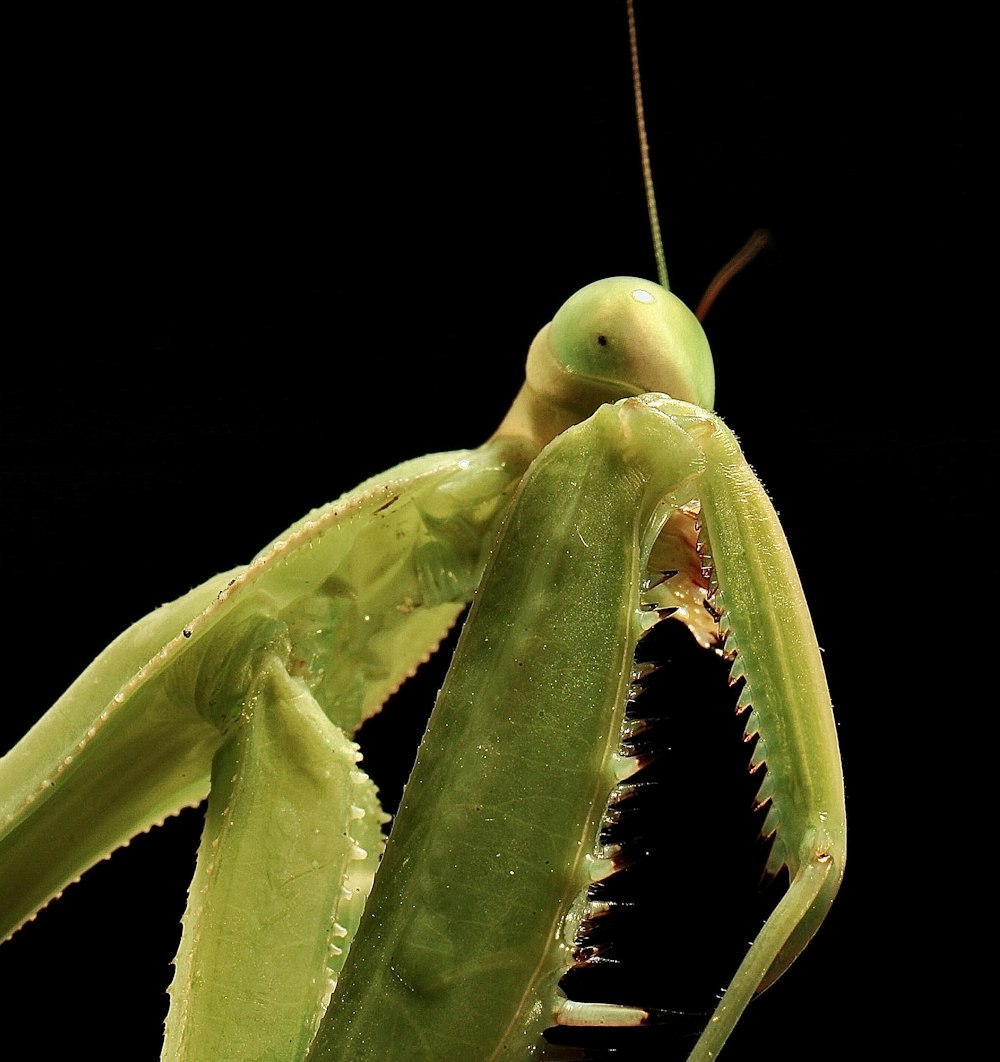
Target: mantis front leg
x,y
468,933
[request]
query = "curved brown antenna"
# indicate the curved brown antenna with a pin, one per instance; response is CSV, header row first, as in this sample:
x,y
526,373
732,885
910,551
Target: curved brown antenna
x,y
743,257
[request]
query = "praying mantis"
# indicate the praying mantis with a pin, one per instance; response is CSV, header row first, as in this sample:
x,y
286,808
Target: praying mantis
x,y
345,485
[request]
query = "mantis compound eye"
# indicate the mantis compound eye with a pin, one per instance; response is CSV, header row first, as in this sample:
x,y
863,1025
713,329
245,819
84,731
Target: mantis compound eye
x,y
630,336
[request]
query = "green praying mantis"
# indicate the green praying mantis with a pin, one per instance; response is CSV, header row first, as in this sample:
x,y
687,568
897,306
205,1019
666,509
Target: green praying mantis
x,y
672,414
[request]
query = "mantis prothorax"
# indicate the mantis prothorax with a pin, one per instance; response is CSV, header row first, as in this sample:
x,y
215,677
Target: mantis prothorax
x,y
250,682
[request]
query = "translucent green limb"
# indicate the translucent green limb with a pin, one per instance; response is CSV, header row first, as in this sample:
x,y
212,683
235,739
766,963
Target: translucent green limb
x,y
115,755
354,596
369,585
781,938
291,842
474,911
767,630
483,886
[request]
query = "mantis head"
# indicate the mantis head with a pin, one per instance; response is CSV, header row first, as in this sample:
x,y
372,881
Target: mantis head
x,y
613,339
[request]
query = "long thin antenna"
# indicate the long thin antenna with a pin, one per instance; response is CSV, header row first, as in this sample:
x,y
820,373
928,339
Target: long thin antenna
x,y
647,170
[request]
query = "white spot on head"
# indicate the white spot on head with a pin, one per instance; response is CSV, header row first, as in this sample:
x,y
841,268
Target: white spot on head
x,y
642,295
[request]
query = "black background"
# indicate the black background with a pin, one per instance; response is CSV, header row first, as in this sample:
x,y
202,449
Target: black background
x,y
259,260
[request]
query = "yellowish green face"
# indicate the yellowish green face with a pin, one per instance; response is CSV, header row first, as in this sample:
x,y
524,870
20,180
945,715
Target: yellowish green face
x,y
634,336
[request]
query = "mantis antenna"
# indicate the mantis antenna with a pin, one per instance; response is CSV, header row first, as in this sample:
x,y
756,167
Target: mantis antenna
x,y
647,169
757,242
743,257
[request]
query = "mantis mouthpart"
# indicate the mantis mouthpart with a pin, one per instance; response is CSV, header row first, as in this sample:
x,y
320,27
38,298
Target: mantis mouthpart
x,y
609,499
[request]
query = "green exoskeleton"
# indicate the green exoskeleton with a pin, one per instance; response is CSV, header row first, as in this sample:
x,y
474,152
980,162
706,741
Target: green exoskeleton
x,y
609,498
